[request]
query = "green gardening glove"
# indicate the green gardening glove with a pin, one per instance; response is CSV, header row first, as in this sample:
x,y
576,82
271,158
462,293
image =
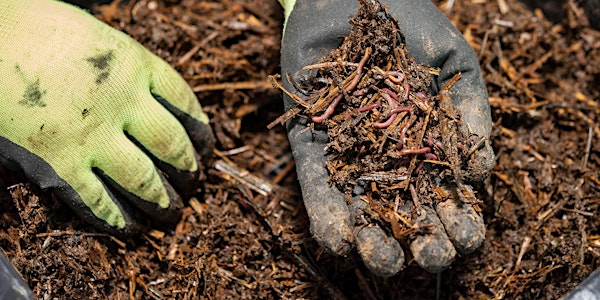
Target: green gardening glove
x,y
313,28
88,112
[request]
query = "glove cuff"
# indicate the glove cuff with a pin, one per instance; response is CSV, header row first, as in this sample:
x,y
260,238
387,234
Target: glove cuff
x,y
11,12
288,6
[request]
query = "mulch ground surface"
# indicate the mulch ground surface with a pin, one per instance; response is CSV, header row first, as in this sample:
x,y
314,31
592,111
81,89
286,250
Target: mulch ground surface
x,y
246,235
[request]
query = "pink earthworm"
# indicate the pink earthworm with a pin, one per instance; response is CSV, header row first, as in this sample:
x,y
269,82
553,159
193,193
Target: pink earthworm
x,y
386,124
369,107
433,142
360,92
331,108
422,95
399,109
390,96
329,111
392,100
393,113
404,130
395,76
430,139
415,151
406,91
359,70
419,167
430,156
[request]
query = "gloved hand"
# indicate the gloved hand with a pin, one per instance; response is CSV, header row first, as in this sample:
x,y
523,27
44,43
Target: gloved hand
x,y
89,113
311,30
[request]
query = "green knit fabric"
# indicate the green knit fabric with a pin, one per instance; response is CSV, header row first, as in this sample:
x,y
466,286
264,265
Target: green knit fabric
x,y
70,86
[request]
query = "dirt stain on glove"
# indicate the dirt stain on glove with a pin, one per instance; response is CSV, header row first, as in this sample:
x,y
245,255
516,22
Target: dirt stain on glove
x,y
102,63
33,92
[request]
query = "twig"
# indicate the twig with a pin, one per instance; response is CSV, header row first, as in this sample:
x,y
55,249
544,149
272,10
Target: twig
x,y
420,137
289,166
277,84
324,101
437,162
415,199
383,176
588,148
237,150
241,85
577,211
353,83
229,275
243,176
475,147
449,6
197,47
294,111
330,64
83,234
524,246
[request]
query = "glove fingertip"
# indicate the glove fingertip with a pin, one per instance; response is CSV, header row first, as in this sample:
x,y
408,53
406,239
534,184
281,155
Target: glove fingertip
x,y
131,226
464,226
481,164
154,211
200,133
330,227
381,253
171,86
432,250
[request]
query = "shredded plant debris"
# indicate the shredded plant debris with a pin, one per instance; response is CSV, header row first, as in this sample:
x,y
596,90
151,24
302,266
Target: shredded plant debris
x,y
390,140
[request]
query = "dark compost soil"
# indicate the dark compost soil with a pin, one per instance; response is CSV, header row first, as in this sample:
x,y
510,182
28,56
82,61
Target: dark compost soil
x,y
246,236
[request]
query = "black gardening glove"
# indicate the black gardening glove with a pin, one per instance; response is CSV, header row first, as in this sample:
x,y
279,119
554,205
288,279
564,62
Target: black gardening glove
x,y
312,29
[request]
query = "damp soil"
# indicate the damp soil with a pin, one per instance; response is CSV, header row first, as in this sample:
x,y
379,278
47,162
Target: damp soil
x,y
246,236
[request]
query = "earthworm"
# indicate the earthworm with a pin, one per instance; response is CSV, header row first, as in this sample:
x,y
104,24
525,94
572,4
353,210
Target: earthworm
x,y
430,139
419,167
369,107
392,100
433,142
393,113
404,130
390,96
331,108
386,124
438,144
430,156
329,65
395,76
399,109
406,91
359,70
329,111
360,92
422,95
415,151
